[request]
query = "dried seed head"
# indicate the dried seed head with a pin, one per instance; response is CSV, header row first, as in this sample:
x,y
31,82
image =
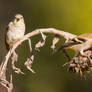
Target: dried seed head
x,y
80,64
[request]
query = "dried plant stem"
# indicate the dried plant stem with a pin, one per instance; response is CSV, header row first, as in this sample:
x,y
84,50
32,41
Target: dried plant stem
x,y
29,61
66,35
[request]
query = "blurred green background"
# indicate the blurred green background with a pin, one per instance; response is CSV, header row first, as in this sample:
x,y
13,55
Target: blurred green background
x,y
73,16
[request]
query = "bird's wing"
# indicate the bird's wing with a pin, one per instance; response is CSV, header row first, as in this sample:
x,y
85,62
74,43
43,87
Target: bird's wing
x,y
85,36
75,41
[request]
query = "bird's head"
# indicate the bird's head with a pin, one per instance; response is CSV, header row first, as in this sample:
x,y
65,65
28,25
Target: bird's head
x,y
18,19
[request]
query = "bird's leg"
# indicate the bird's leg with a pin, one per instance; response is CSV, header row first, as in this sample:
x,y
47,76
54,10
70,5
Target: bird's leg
x,y
68,57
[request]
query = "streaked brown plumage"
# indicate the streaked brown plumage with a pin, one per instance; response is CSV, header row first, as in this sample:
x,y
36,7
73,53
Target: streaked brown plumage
x,y
78,44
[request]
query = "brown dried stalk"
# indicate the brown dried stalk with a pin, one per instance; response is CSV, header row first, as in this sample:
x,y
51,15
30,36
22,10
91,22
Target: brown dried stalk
x,y
29,61
66,35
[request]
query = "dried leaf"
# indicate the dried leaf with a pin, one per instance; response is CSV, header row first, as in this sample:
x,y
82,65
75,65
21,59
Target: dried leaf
x,y
29,62
55,41
6,84
40,43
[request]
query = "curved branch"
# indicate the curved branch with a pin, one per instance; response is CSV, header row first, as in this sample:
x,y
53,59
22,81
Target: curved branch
x,y
66,35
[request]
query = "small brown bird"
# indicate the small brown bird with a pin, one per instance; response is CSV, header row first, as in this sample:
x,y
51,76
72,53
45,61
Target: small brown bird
x,y
78,44
16,30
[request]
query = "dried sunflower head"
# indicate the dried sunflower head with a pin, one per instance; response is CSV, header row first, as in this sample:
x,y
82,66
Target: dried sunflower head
x,y
81,64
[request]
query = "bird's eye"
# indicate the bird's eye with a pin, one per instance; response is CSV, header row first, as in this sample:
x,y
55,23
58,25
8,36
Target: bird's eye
x,y
17,19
